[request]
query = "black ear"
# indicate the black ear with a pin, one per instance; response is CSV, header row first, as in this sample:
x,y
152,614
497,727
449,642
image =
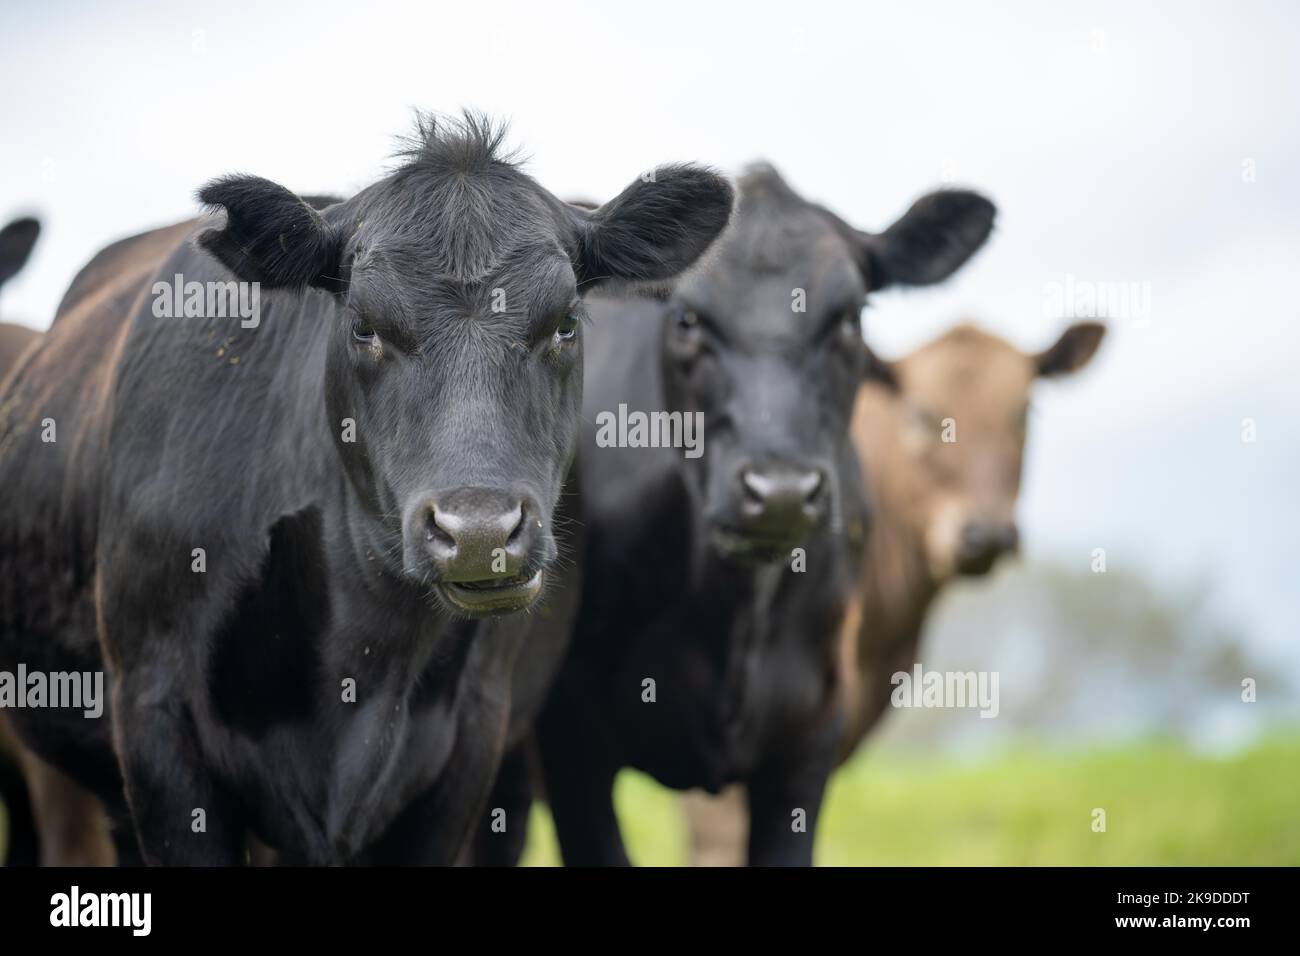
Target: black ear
x,y
270,235
16,241
1072,351
878,370
655,228
932,241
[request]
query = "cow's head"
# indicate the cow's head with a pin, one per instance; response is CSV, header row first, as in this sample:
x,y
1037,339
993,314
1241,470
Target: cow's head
x,y
765,338
950,443
457,339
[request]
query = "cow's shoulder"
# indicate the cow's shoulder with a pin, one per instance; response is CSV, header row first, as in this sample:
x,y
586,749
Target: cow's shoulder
x,y
265,654
121,263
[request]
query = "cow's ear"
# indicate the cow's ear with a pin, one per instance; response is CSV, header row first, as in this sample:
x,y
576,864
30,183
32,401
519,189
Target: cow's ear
x,y
930,242
1072,351
879,370
654,229
16,242
270,235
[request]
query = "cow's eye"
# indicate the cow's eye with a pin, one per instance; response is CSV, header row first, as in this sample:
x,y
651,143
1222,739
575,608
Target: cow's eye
x,y
686,318
851,325
925,420
568,327
364,332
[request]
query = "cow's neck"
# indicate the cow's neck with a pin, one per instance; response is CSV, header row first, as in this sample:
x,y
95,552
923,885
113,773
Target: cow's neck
x,y
897,585
882,627
734,602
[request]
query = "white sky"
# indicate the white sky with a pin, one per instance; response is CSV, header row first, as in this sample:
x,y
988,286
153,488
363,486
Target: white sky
x,y
1112,139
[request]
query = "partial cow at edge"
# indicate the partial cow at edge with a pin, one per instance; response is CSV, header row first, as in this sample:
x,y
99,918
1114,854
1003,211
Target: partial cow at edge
x,y
17,239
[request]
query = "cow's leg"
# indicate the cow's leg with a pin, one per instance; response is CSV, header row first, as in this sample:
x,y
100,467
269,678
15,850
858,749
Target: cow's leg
x,y
783,820
126,845
508,806
718,826
785,799
579,774
23,840
74,829
167,783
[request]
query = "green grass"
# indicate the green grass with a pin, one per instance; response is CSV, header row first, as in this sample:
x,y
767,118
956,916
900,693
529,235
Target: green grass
x,y
1164,806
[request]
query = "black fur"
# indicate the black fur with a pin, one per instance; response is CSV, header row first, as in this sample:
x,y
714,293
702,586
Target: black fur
x,y
230,687
932,241
17,239
685,583
270,235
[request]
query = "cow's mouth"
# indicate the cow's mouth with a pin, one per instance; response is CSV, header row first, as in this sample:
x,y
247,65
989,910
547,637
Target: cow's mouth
x,y
976,566
751,546
495,596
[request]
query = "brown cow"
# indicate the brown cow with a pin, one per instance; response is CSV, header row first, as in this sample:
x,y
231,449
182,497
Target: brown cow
x,y
940,509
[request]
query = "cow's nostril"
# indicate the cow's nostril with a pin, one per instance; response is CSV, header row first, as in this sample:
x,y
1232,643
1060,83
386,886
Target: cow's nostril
x,y
440,529
980,539
518,526
811,484
973,537
1010,538
782,486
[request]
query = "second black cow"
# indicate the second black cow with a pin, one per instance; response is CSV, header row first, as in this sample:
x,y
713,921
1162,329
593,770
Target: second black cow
x,y
705,648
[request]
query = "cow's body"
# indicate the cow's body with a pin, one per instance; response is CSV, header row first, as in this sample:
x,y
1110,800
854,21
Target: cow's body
x,y
281,542
944,509
706,646
742,656
881,631
23,847
14,340
289,606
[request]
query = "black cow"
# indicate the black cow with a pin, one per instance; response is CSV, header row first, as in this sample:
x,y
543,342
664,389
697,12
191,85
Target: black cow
x,y
16,241
705,648
370,470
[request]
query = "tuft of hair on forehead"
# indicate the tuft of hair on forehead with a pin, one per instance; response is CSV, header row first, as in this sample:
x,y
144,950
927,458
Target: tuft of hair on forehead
x,y
970,335
966,332
457,203
761,183
971,346
469,143
773,226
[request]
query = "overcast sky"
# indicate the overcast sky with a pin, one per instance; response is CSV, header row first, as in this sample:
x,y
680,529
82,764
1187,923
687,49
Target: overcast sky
x,y
1159,147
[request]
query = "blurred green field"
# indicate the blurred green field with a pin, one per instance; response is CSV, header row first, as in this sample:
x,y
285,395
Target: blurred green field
x,y
1033,807
1164,806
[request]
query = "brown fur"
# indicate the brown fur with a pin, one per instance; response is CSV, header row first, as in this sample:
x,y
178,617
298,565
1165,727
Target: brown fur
x,y
72,826
922,491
